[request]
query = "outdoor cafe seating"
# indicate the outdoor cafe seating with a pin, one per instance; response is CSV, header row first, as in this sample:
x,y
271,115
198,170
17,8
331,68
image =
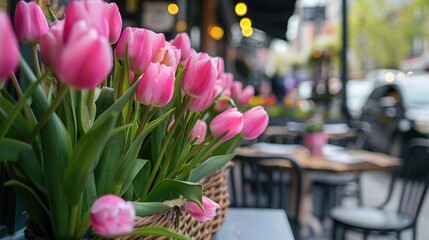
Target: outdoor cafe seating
x,y
412,180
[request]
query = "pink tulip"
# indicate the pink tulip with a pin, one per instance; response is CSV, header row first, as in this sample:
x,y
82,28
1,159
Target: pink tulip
x,y
208,213
220,65
156,86
114,20
199,131
199,104
86,60
91,11
168,55
170,125
111,215
183,42
223,100
236,89
229,121
255,122
30,23
245,96
51,43
9,49
143,44
199,75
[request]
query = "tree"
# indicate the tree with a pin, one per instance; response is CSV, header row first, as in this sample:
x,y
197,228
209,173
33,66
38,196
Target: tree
x,y
382,31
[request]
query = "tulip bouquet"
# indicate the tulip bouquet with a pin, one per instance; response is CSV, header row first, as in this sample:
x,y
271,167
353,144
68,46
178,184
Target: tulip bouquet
x,y
112,123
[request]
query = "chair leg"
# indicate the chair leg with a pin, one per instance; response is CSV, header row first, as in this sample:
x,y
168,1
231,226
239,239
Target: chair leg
x,y
334,230
414,233
343,233
365,235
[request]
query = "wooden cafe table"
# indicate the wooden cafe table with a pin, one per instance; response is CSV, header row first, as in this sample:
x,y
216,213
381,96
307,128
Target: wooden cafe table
x,y
334,160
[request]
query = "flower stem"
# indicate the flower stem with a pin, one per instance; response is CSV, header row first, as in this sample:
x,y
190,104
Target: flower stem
x,y
233,144
143,121
183,161
21,95
45,117
36,60
165,144
198,160
171,150
4,127
74,211
90,102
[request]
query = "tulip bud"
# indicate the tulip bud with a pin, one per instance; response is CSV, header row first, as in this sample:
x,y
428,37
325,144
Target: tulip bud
x,y
30,23
223,101
86,60
255,122
143,44
114,21
183,42
156,86
199,75
9,49
51,43
92,12
245,96
168,55
236,89
170,125
199,131
220,65
199,104
208,213
111,215
229,121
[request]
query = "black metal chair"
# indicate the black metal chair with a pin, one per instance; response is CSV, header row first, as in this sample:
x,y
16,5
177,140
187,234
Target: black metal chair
x,y
334,188
415,179
267,182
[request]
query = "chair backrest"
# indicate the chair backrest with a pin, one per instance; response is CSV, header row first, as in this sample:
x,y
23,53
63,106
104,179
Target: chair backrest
x,y
267,182
415,178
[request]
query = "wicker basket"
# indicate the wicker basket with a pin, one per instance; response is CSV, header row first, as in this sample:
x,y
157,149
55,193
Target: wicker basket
x,y
217,190
178,219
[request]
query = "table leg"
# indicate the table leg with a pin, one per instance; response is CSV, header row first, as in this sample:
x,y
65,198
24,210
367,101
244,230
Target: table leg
x,y
307,220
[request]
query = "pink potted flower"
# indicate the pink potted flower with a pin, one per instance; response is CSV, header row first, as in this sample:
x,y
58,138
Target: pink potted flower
x,y
314,137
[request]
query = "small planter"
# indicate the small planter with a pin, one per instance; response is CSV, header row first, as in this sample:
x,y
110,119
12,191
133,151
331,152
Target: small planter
x,y
314,142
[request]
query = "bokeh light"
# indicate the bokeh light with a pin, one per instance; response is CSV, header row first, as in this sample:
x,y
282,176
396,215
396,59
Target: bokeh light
x,y
240,9
245,23
247,32
181,26
216,32
173,9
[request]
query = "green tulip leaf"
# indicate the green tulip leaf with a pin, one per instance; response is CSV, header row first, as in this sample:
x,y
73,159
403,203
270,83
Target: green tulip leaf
x,y
30,190
138,165
209,166
104,101
84,158
130,156
109,162
150,208
11,149
154,231
169,189
141,179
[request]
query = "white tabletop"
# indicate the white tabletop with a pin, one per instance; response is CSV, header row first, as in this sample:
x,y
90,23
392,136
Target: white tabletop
x,y
255,224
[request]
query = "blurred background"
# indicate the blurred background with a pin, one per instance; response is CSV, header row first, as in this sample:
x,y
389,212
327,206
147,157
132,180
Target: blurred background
x,y
357,60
